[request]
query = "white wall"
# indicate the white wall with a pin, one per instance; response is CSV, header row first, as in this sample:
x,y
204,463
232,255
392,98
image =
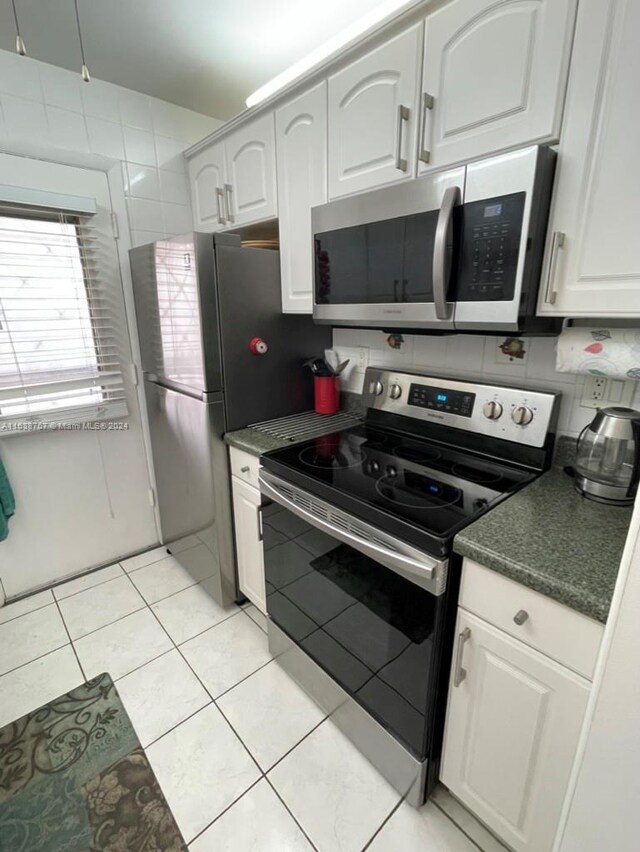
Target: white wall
x,y
51,112
472,356
64,481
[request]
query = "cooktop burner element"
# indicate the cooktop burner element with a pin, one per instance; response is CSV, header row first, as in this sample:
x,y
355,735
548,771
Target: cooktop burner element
x,y
431,496
329,459
417,454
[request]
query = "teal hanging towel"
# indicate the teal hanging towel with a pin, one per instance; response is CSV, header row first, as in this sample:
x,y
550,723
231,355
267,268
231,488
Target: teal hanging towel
x,y
7,502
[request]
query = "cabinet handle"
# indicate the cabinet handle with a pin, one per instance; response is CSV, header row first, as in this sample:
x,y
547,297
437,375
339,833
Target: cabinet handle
x,y
245,469
260,530
228,196
521,616
557,242
219,194
403,115
450,199
459,673
427,104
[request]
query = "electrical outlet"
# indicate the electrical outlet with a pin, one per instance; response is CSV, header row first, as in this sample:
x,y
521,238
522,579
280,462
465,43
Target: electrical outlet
x,y
363,359
601,392
594,390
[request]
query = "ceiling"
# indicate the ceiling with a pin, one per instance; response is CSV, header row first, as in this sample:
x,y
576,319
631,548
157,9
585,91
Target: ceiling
x,y
207,55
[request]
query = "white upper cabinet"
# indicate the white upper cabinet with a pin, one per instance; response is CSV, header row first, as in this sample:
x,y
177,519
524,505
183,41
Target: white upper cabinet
x,y
207,175
233,182
251,190
301,155
494,77
592,266
372,117
513,721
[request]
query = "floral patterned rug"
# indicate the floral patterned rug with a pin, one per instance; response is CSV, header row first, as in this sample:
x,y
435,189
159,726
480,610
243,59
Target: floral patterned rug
x,y
74,777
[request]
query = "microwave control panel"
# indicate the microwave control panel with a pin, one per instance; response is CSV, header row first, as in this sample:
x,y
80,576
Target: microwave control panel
x,y
491,238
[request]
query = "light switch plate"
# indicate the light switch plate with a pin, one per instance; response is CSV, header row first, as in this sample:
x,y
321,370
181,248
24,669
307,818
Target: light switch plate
x,y
603,391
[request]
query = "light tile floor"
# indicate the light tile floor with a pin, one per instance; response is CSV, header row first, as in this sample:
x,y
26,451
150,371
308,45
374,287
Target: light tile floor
x,y
246,760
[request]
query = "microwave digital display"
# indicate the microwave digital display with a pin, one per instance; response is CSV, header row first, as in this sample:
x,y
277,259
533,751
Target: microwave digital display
x,y
492,210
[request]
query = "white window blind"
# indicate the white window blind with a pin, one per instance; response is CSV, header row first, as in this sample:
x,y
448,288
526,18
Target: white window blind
x,y
58,344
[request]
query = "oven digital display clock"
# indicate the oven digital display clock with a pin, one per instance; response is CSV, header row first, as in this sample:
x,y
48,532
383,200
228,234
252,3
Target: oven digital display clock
x,y
442,399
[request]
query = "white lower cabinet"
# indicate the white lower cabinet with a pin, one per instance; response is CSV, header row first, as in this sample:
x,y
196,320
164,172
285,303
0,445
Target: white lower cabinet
x,y
513,721
246,513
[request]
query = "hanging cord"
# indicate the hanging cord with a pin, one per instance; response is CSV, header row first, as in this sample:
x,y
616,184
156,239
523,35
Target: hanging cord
x,y
20,46
85,71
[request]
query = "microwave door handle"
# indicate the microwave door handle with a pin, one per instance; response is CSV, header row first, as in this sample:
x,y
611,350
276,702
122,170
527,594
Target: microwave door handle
x,y
450,199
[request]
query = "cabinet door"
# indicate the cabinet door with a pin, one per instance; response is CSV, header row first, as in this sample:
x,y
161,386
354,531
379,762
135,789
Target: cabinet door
x,y
207,176
301,148
511,734
372,117
494,77
251,158
592,266
246,514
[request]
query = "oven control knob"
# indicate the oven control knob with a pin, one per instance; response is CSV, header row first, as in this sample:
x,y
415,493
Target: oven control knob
x,y
392,470
395,391
522,415
492,410
376,387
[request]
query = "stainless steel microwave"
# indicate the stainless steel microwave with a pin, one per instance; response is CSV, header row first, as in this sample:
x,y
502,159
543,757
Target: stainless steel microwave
x,y
459,249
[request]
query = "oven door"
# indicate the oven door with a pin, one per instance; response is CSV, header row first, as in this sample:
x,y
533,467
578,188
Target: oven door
x,y
372,617
384,258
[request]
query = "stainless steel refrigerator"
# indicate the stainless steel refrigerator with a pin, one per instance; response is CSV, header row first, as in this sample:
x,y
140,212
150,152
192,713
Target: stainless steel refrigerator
x,y
200,300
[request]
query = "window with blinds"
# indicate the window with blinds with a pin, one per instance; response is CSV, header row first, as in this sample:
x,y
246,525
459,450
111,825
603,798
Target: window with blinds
x,y
58,351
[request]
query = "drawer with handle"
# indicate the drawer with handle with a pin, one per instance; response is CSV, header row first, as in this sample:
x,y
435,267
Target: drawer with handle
x,y
245,466
552,628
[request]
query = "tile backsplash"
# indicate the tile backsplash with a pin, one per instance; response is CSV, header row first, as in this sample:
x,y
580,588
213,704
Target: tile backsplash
x,y
471,356
53,109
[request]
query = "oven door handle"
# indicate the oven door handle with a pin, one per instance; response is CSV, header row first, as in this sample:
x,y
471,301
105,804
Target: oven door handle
x,y
441,274
426,572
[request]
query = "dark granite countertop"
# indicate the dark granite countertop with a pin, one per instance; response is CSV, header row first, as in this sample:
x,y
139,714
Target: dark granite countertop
x,y
554,541
254,442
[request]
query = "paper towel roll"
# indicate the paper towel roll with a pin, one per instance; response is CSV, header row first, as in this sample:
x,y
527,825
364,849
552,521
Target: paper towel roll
x,y
599,352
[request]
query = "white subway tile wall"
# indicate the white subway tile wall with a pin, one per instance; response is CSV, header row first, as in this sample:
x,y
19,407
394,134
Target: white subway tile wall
x,y
39,102
470,356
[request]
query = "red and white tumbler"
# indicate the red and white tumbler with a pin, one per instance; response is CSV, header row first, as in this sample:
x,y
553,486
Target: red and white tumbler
x,y
327,394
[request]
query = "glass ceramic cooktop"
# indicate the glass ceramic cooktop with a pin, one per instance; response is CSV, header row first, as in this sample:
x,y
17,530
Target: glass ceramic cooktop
x,y
435,487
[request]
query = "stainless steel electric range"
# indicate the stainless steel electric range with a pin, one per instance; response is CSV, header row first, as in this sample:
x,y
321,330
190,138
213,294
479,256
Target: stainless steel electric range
x,y
361,579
